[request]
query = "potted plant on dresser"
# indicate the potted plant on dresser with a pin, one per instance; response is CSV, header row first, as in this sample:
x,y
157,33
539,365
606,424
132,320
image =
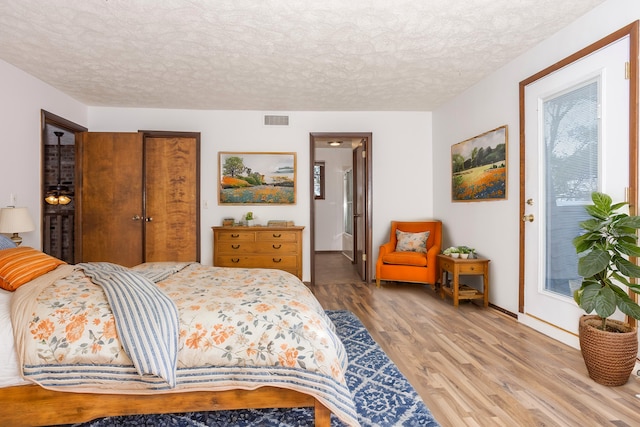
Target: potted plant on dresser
x,y
609,347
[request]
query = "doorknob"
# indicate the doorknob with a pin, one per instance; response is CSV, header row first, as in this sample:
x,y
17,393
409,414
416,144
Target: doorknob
x,y
149,219
136,218
528,218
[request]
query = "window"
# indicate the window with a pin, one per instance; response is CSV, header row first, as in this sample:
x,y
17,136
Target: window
x,y
571,136
348,201
318,180
572,152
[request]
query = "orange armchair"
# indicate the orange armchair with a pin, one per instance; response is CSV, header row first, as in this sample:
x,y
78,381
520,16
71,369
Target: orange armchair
x,y
410,265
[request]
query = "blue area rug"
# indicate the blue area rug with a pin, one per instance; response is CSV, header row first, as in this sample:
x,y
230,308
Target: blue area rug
x,y
382,395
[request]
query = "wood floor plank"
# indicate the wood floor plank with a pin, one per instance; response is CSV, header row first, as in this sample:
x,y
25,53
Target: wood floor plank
x,y
476,366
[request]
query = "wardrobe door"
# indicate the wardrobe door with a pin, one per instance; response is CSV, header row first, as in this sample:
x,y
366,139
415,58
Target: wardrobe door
x,y
171,199
110,206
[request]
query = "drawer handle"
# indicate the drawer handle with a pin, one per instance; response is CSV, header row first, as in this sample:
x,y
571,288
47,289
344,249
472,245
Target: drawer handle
x,y
277,235
235,246
276,246
235,260
277,260
235,235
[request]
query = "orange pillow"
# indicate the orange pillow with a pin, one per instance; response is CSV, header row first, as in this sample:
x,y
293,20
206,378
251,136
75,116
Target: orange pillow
x,y
22,264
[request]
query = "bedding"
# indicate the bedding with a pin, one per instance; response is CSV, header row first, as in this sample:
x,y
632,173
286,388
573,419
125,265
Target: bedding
x,y
9,372
237,329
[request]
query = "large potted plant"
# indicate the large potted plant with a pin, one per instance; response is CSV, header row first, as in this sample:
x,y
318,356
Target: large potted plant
x,y
609,347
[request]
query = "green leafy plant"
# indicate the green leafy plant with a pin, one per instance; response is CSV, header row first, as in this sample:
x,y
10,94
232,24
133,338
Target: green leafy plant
x,y
249,216
451,250
466,250
610,237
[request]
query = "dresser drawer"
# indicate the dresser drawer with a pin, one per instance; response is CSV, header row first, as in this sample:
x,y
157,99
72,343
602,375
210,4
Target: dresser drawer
x,y
283,236
446,265
266,248
471,269
236,236
289,262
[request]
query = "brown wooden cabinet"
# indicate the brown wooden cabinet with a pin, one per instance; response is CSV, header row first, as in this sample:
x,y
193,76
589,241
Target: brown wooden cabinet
x,y
139,197
259,247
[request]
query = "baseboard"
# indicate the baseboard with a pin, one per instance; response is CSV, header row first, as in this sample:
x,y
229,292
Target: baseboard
x,y
505,311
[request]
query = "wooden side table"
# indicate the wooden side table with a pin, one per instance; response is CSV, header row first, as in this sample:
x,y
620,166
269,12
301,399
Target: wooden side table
x,y
462,267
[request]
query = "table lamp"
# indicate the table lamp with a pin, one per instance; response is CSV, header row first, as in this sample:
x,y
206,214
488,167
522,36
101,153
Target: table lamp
x,y
15,220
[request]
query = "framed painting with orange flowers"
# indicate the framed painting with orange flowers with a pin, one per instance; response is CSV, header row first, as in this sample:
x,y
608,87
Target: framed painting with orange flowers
x,y
257,178
479,167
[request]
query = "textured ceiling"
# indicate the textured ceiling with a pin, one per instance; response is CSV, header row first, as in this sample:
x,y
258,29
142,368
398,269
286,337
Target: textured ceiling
x,y
274,55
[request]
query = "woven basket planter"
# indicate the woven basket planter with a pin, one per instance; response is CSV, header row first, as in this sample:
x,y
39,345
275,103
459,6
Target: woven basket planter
x,y
609,356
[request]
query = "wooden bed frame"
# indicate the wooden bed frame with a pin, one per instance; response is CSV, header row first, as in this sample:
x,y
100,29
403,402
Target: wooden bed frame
x,y
32,405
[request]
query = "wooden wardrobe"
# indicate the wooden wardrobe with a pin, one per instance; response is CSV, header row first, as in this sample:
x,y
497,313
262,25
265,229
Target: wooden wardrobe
x,y
139,197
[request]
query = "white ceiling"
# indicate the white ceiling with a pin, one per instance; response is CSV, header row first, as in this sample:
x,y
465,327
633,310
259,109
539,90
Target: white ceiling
x,y
273,55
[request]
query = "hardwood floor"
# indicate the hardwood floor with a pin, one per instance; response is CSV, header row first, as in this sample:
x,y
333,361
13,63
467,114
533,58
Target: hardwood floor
x,y
334,268
475,366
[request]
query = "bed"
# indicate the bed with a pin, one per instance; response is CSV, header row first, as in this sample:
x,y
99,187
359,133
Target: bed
x,y
233,339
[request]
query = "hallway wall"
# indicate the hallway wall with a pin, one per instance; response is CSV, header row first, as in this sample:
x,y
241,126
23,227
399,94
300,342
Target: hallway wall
x,y
329,213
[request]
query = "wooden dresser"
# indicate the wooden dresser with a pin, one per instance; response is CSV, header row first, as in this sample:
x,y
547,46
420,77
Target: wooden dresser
x,y
259,247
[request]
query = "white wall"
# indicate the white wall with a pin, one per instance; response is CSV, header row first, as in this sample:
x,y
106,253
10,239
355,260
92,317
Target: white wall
x,y
329,213
401,145
493,227
21,101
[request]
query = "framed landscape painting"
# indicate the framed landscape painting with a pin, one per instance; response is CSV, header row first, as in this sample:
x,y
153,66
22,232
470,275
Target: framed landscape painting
x,y
479,167
256,178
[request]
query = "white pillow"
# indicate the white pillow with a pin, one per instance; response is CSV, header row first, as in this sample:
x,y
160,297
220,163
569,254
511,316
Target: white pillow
x,y
411,242
9,371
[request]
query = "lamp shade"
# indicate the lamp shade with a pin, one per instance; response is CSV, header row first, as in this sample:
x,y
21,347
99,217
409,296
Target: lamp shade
x,y
15,220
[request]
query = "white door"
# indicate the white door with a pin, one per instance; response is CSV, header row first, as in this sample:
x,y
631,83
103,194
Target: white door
x,y
576,137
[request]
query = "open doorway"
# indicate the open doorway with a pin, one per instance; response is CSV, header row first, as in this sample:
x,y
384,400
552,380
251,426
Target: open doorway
x,y
340,214
58,185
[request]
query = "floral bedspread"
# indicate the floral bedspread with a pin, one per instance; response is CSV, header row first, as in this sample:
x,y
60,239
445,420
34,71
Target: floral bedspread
x,y
239,328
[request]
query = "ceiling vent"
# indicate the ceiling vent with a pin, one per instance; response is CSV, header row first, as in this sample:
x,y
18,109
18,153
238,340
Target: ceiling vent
x,y
271,120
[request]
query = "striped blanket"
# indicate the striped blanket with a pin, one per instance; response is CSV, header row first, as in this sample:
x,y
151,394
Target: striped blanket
x,y
145,318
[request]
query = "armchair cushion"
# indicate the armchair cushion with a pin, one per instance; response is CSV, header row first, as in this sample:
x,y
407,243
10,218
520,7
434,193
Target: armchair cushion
x,y
411,242
405,258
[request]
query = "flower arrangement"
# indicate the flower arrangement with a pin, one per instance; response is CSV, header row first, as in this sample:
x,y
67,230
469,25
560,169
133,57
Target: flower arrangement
x,y
466,250
452,251
459,251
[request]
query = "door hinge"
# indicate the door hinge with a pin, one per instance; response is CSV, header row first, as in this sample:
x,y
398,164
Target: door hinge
x,y
364,257
364,154
627,70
